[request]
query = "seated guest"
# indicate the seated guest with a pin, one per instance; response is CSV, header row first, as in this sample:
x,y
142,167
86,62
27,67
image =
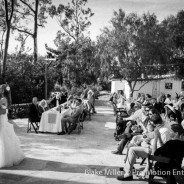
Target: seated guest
x,y
169,109
161,136
72,120
33,111
141,117
143,139
173,149
156,105
141,98
132,109
42,107
172,119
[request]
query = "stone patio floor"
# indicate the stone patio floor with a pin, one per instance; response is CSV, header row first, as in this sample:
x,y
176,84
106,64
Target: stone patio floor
x,y
69,159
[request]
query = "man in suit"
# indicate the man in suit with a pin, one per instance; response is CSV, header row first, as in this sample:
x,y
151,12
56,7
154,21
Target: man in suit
x,y
33,111
72,120
56,100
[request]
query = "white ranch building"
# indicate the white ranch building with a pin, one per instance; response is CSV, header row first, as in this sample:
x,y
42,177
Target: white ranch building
x,y
154,87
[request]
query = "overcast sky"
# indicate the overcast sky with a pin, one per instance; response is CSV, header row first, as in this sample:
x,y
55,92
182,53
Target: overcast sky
x,y
103,11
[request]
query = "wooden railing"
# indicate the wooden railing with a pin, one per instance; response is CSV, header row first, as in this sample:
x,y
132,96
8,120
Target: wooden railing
x,y
18,111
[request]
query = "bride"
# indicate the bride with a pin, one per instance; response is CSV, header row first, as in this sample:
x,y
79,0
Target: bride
x,y
10,152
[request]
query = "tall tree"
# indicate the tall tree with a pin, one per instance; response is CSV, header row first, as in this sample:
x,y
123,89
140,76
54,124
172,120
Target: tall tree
x,y
31,11
133,46
72,43
9,7
73,19
175,30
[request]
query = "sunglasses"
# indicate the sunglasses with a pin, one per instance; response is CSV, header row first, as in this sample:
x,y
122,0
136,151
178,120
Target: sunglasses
x,y
150,114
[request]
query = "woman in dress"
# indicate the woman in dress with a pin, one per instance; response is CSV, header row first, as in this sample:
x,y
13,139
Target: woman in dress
x,y
10,152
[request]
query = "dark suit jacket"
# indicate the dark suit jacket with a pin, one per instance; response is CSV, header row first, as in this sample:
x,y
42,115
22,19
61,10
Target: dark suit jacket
x,y
157,106
53,101
63,98
33,113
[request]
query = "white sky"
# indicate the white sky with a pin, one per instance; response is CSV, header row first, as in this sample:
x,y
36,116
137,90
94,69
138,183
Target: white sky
x,y
103,10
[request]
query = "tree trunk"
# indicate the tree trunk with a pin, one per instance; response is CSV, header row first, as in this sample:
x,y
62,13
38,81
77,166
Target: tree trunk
x,y
35,32
131,89
8,28
5,53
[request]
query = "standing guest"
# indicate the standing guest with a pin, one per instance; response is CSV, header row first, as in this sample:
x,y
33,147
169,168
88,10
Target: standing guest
x,y
121,99
168,100
56,100
114,101
33,111
63,97
91,98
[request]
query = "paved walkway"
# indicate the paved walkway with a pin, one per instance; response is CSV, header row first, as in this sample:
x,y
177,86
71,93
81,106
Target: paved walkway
x,y
71,159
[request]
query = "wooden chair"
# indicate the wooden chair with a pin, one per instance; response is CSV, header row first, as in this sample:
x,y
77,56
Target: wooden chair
x,y
152,172
78,125
32,124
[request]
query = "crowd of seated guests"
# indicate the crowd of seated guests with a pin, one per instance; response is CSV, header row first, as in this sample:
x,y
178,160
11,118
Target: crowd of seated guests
x,y
84,104
151,124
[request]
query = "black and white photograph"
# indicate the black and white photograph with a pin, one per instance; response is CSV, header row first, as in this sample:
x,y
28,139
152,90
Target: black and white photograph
x,y
91,91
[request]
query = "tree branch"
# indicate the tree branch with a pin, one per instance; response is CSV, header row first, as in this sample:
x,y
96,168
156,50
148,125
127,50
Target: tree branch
x,y
23,31
12,9
28,6
40,25
141,86
6,11
68,32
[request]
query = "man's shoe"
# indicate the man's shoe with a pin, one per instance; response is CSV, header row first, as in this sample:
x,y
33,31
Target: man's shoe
x,y
61,133
122,178
122,168
116,152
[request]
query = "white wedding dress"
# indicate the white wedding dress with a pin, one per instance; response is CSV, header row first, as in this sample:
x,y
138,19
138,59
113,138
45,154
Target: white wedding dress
x,y
10,152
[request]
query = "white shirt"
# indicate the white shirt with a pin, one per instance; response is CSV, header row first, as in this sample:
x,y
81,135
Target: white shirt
x,y
168,101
